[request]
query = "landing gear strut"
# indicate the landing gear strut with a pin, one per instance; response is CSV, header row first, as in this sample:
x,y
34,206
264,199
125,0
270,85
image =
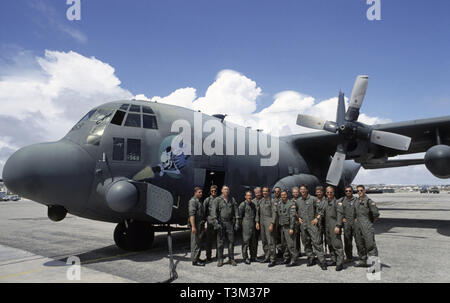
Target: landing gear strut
x,y
134,235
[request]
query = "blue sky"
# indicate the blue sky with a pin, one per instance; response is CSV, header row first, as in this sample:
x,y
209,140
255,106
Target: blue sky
x,y
314,46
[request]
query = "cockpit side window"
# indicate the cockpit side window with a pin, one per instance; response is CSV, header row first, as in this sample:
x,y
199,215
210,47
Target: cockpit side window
x,y
101,114
118,117
133,120
118,149
101,117
149,121
147,110
86,117
133,150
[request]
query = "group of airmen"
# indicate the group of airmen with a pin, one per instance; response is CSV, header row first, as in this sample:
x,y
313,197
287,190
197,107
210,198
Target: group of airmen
x,y
283,223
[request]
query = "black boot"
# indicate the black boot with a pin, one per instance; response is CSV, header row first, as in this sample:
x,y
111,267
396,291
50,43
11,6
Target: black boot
x,y
272,264
331,263
198,263
311,262
323,266
247,261
339,267
263,260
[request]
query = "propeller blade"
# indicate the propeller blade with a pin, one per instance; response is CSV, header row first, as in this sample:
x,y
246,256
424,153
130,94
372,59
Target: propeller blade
x,y
390,140
340,114
359,91
310,122
336,168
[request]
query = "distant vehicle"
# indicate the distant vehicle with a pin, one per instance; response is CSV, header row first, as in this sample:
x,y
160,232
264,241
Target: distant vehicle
x,y
423,190
2,194
433,190
14,198
5,198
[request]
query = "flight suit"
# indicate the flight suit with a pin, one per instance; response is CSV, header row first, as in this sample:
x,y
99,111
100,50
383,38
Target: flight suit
x,y
196,210
334,212
277,231
247,213
258,232
350,229
226,214
211,229
297,231
321,204
366,212
286,220
307,210
266,215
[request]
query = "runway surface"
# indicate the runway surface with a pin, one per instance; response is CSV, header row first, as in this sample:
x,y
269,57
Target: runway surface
x,y
413,238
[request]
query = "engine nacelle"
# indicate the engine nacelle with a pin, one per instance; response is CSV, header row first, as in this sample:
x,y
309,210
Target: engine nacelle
x,y
56,212
296,180
437,161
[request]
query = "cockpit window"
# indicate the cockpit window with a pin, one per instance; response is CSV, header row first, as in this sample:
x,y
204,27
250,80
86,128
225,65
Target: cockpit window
x,y
135,108
133,150
101,114
147,110
86,117
101,117
133,120
118,117
149,122
125,106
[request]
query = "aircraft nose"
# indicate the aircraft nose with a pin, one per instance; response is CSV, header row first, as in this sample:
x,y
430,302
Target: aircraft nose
x,y
51,173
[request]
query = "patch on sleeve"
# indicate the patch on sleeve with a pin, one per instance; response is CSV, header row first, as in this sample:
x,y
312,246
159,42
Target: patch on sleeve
x,y
373,203
339,203
276,204
293,206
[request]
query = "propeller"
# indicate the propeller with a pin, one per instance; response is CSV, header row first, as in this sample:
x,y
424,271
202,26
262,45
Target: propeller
x,y
348,129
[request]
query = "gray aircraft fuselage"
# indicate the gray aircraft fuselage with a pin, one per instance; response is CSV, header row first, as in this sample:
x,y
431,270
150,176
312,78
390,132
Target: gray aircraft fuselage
x,y
129,140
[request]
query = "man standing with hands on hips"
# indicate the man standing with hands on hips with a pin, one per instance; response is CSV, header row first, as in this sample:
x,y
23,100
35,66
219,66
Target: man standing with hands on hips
x,y
196,223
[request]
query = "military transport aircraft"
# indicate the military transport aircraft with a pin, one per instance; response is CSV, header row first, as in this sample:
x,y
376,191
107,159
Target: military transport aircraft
x,y
119,164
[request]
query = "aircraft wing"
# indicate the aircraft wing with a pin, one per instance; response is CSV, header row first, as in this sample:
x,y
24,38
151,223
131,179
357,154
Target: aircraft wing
x,y
422,133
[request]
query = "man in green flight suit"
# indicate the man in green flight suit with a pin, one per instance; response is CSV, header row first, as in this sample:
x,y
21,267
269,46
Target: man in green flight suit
x,y
348,203
295,197
366,213
334,213
266,219
308,217
225,213
277,232
321,204
286,221
247,215
211,232
256,200
197,223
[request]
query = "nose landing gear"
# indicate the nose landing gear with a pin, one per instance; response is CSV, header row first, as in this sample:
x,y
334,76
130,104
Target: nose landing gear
x,y
134,235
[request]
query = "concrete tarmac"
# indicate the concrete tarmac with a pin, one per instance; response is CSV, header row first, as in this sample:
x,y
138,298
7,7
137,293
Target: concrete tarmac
x,y
412,235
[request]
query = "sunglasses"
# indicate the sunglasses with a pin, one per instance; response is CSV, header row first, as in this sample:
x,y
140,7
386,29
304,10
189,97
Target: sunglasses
x,y
360,190
349,191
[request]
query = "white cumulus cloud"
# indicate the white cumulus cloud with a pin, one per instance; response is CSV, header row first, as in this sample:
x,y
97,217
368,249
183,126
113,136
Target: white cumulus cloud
x,y
44,100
